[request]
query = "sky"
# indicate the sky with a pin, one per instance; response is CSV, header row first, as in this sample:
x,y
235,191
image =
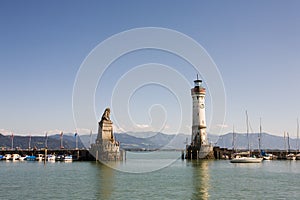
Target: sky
x,y
255,46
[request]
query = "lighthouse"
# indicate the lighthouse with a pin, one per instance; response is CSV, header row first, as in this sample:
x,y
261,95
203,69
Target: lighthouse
x,y
199,147
199,136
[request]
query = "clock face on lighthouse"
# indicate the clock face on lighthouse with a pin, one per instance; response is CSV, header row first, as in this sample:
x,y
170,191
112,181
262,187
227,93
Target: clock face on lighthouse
x,y
201,105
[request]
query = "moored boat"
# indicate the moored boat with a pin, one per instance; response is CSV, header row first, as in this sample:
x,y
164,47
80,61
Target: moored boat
x,y
51,158
269,156
40,157
244,157
22,158
290,156
30,158
14,157
68,158
59,158
297,156
246,160
6,157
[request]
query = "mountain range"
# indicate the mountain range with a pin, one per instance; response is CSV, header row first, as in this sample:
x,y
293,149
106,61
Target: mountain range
x,y
151,140
38,142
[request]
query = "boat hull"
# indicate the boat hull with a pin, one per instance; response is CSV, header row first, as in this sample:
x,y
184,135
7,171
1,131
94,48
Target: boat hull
x,y
246,160
290,156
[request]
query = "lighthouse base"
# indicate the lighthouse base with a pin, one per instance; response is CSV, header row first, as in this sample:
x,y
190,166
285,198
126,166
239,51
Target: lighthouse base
x,y
202,152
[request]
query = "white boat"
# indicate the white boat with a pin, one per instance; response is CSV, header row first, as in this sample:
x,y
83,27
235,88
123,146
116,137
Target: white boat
x,y
68,158
246,160
6,157
297,157
14,157
269,156
290,156
245,157
39,157
51,158
22,158
263,154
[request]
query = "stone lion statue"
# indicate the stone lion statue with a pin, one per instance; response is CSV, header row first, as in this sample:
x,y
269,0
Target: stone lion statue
x,y
105,116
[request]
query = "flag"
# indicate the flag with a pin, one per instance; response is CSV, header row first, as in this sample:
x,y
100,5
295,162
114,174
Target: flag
x,y
46,135
75,134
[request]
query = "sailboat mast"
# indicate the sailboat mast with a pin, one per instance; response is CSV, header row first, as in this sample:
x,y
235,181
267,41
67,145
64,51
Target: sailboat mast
x,y
288,139
233,139
284,141
247,122
297,135
259,136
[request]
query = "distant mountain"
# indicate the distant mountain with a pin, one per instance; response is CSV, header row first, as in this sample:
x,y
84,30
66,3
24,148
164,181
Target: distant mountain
x,y
156,141
144,140
150,140
141,134
268,141
38,142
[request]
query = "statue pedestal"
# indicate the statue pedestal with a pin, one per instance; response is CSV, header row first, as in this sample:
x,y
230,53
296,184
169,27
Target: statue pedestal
x,y
107,151
105,131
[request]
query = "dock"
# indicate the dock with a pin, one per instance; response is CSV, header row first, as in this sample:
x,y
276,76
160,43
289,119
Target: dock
x,y
85,155
77,154
225,153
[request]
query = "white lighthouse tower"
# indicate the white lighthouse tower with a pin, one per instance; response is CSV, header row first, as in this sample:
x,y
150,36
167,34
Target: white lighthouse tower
x,y
199,148
199,136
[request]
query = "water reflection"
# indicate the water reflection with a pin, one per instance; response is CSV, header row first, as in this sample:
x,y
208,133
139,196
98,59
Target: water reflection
x,y
105,176
144,162
201,180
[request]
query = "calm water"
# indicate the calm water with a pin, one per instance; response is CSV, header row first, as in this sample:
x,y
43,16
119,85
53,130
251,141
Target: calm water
x,y
179,180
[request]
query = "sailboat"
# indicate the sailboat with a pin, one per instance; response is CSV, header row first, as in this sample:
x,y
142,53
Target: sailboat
x,y
245,157
233,140
297,153
289,156
266,156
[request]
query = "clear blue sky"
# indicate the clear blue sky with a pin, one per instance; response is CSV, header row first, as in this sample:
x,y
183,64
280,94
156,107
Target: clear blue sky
x,y
255,44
